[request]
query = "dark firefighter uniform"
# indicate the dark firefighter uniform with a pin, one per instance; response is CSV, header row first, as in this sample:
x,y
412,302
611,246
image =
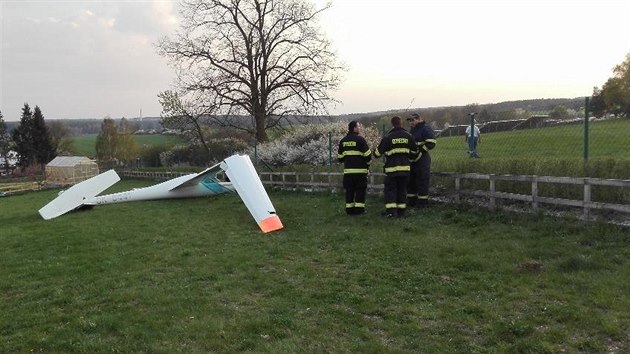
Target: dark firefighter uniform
x,y
398,147
418,188
355,154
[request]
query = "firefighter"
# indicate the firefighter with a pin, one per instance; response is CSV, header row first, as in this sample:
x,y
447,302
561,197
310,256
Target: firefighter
x,y
398,147
418,187
355,154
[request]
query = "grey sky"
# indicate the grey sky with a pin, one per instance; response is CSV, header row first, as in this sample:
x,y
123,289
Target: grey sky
x,y
82,59
91,59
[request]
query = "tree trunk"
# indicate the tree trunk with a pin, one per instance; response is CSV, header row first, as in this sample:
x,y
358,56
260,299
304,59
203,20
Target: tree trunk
x,y
261,132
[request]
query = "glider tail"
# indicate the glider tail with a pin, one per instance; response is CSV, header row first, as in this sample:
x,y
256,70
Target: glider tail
x,y
78,195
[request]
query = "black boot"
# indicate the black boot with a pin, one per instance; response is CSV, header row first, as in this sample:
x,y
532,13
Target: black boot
x,y
359,211
422,203
389,213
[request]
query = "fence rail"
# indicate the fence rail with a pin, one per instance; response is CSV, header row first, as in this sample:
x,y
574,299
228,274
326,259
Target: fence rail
x,y
12,188
152,175
332,181
586,203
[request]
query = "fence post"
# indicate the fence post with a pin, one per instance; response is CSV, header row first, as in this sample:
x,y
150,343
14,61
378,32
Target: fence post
x,y
329,149
587,198
457,187
535,193
493,189
330,185
372,189
586,136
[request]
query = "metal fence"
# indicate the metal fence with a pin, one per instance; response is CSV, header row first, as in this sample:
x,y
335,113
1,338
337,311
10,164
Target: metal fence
x,y
560,141
571,135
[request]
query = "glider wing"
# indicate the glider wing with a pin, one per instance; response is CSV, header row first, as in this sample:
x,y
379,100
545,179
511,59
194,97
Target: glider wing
x,y
242,174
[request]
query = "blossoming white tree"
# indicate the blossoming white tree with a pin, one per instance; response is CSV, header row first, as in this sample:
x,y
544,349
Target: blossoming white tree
x,y
309,144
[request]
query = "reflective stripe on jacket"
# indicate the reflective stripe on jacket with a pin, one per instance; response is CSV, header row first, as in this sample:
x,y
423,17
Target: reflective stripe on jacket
x,y
355,154
425,138
398,147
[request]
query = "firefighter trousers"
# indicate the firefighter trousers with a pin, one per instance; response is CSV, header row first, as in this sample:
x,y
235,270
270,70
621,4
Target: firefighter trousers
x,y
355,185
419,180
396,194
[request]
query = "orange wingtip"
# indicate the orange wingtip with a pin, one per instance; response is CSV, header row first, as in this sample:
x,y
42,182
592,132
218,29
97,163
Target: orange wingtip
x,y
271,223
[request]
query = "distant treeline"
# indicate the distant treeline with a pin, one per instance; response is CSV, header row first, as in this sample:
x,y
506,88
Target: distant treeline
x,y
438,116
78,127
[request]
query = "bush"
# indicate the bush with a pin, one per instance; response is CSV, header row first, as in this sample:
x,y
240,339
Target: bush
x,y
150,155
184,155
308,145
220,148
196,154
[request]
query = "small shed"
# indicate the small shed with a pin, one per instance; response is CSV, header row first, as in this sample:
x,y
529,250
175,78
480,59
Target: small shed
x,y
65,170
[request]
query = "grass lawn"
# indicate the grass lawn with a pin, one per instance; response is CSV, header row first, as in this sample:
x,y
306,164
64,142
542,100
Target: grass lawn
x,y
608,139
198,276
553,151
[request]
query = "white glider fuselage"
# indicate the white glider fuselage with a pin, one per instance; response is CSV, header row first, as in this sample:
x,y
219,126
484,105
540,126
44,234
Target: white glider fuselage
x,y
165,190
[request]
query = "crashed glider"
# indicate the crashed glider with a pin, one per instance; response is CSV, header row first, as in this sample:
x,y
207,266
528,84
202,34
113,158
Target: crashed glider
x,y
238,168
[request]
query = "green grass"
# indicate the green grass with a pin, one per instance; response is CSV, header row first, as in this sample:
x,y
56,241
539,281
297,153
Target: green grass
x,y
85,145
553,151
608,139
556,151
197,276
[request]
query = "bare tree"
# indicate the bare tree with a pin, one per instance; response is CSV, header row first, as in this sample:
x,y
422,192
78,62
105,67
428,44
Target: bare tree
x,y
265,59
186,116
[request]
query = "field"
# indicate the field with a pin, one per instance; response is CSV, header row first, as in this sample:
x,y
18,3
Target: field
x,y
85,145
551,151
556,151
608,139
197,276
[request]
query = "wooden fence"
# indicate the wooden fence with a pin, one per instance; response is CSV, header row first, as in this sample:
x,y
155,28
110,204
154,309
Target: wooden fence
x,y
332,181
584,183
159,176
19,187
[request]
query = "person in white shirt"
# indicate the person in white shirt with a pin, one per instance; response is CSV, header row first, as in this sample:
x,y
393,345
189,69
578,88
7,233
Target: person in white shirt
x,y
476,139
